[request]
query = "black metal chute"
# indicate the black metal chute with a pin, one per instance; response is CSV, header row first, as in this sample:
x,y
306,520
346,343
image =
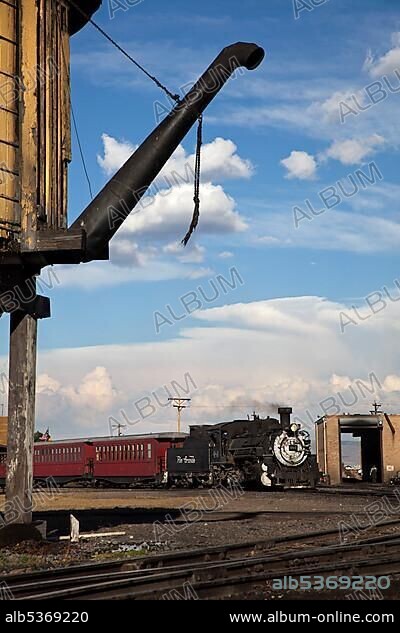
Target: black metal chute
x,y
110,208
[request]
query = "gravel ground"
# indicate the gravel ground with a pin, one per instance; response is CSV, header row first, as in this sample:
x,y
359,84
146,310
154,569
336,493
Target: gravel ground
x,y
209,520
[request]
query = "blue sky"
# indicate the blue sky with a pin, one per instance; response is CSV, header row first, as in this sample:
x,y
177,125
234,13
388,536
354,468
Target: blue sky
x,y
274,139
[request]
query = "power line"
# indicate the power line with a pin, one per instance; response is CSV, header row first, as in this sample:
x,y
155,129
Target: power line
x,y
82,155
81,151
227,406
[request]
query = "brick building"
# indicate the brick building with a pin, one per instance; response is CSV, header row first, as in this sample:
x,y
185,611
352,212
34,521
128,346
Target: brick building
x,y
379,444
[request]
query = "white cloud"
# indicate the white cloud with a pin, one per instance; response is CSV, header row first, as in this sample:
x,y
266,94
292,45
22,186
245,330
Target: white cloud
x,y
192,254
106,274
288,350
225,255
300,165
147,245
354,151
115,154
315,107
146,249
167,216
387,63
220,160
270,315
126,254
391,383
94,395
333,230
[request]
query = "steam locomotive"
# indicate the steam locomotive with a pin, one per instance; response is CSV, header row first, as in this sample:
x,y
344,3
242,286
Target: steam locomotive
x,y
262,453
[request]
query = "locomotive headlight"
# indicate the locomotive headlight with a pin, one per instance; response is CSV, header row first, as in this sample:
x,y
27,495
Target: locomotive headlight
x,y
294,427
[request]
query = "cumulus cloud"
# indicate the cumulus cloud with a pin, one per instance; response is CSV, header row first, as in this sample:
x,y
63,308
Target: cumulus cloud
x,y
126,254
289,350
166,209
115,154
92,396
167,216
300,165
387,63
356,150
220,160
391,383
147,245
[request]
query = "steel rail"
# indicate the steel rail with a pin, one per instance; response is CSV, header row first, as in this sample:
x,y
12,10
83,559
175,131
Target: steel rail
x,y
214,552
79,586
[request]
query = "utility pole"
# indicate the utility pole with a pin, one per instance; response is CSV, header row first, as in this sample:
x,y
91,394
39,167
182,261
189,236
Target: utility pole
x,y
376,406
179,404
119,428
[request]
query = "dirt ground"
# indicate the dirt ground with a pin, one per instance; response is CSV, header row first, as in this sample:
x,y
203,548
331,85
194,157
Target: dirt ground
x,y
182,519
291,500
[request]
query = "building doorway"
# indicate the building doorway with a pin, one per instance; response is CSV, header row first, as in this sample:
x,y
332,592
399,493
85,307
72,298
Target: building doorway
x,y
350,450
363,444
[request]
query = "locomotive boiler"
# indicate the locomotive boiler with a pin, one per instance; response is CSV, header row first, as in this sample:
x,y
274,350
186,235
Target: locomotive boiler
x,y
261,452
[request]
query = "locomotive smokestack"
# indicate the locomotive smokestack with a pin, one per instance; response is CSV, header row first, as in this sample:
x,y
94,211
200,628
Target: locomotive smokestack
x,y
110,208
284,414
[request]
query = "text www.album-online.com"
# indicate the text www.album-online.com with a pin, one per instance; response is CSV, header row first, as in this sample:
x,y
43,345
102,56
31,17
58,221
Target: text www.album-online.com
x,y
337,617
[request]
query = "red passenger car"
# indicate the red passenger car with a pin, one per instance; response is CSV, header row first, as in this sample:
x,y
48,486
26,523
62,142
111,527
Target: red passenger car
x,y
122,461
134,458
65,462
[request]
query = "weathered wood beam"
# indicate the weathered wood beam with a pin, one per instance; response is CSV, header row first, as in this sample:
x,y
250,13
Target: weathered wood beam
x,y
21,417
56,247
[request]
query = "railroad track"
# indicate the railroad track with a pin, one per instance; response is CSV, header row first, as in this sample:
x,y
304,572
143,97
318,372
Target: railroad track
x,y
214,571
360,491
95,519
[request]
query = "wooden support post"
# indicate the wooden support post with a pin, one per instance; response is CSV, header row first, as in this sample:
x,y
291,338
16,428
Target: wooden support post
x,y
21,416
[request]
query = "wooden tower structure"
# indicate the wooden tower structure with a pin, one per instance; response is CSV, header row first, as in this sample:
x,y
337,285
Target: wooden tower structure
x,y
35,149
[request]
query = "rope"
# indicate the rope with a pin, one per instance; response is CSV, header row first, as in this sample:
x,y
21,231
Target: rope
x,y
158,83
197,171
